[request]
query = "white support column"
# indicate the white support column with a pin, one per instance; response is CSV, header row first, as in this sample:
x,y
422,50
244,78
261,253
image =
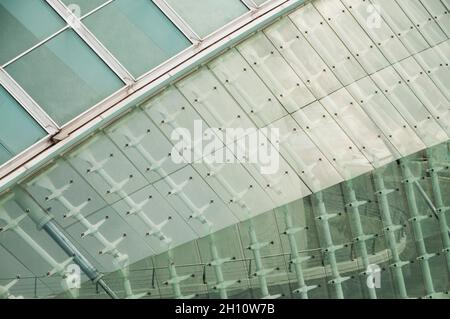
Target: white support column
x,y
352,205
260,272
176,279
434,169
296,260
415,219
217,263
389,230
328,247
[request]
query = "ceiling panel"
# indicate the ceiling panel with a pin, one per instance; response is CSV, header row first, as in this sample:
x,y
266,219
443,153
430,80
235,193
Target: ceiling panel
x,y
244,84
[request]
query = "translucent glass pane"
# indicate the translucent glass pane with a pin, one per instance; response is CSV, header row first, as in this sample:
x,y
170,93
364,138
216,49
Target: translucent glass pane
x,y
260,2
65,77
137,33
83,6
24,23
18,130
206,16
4,154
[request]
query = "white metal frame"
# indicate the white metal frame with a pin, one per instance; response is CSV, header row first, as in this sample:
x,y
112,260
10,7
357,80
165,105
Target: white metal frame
x,y
135,88
75,23
176,19
27,103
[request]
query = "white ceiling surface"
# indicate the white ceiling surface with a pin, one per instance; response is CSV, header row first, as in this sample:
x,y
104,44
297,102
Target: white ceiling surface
x,y
346,98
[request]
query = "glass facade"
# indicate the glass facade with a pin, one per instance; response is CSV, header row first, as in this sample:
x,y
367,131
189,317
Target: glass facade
x,y
206,16
23,24
340,193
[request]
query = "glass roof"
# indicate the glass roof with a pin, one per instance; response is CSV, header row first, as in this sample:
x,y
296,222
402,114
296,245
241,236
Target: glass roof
x,y
18,130
64,76
206,16
137,33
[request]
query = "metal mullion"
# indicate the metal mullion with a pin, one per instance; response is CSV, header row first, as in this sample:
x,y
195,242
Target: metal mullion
x,y
91,40
27,102
177,20
250,4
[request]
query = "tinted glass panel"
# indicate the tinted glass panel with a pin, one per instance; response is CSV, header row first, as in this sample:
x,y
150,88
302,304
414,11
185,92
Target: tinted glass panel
x,y
137,33
23,23
206,16
65,77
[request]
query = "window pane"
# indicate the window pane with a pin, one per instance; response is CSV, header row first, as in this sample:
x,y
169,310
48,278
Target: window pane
x,y
65,77
18,130
4,155
85,6
23,23
206,16
137,33
260,2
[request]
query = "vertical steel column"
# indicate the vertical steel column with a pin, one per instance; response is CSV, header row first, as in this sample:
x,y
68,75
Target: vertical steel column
x,y
217,268
330,249
415,219
296,258
255,246
389,230
357,228
217,263
440,208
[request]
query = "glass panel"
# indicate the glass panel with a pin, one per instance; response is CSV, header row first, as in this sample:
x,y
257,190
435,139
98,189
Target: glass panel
x,y
64,77
137,33
260,2
81,7
206,16
4,154
24,23
18,130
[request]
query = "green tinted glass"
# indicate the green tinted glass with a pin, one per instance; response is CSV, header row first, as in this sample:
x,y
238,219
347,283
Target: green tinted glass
x,y
81,7
206,16
24,23
65,77
18,130
137,33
